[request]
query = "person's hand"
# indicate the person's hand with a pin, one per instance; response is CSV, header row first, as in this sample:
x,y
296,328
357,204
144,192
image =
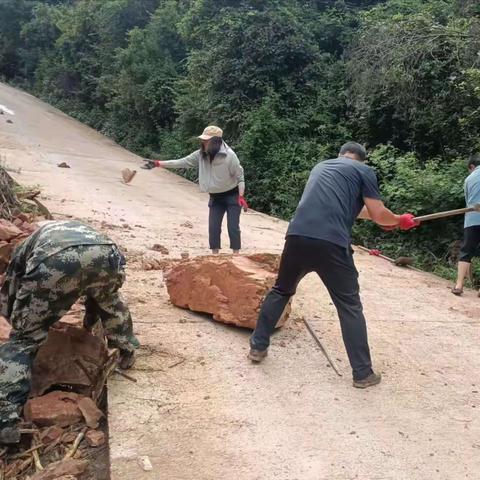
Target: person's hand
x,y
149,164
407,221
242,202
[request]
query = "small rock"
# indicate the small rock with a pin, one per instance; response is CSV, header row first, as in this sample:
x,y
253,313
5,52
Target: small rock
x,y
9,121
185,255
69,437
8,230
145,463
95,438
187,225
160,248
90,412
63,165
54,408
51,434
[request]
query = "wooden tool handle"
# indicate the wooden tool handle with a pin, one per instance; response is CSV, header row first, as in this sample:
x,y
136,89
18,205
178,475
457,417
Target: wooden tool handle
x,y
449,213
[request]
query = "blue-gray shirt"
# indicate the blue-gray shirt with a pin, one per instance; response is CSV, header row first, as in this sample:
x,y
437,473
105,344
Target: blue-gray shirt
x,y
332,200
472,196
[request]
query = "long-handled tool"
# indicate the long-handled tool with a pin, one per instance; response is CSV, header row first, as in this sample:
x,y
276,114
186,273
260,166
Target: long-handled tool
x,y
322,348
448,213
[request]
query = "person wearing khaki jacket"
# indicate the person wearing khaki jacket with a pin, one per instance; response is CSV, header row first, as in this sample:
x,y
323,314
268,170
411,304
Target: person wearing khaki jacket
x,y
221,175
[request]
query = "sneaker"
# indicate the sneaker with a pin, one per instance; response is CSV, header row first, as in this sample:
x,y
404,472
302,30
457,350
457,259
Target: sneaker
x,y
127,360
9,435
370,381
256,356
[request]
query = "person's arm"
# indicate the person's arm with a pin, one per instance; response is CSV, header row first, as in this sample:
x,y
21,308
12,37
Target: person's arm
x,y
236,170
190,161
379,213
363,215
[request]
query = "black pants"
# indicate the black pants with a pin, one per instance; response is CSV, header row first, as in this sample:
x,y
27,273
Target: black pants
x,y
471,241
335,267
221,203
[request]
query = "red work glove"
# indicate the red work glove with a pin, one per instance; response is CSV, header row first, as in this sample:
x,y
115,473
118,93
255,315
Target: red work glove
x,y
242,202
407,221
149,164
375,252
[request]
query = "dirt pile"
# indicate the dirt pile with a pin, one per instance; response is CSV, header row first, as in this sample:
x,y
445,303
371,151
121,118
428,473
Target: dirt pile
x,y
230,288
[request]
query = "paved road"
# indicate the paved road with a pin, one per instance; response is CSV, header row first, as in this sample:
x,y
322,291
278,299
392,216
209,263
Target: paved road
x,y
214,416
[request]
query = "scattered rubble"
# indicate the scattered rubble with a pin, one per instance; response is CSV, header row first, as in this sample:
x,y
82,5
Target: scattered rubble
x,y
154,264
230,288
95,438
90,412
12,233
68,467
160,248
51,434
54,408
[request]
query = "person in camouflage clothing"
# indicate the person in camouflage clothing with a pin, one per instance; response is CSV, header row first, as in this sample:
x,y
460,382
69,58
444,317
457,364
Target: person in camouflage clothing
x,y
59,263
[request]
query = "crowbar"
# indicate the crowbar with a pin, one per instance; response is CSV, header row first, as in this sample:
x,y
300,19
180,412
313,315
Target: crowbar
x,y
322,348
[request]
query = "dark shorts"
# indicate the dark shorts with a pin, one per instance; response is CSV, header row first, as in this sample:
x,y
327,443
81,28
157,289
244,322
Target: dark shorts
x,y
471,241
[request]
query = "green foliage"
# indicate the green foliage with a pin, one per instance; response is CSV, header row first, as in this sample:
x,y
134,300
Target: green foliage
x,y
289,81
407,184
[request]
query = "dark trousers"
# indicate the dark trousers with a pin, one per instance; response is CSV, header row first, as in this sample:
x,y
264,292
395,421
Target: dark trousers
x,y
471,242
219,205
334,265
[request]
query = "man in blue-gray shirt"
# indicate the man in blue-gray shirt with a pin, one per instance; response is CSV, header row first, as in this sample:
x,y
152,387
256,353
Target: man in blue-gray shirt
x,y
318,240
471,232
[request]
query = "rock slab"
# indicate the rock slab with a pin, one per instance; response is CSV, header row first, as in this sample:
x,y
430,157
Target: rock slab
x,y
70,356
230,288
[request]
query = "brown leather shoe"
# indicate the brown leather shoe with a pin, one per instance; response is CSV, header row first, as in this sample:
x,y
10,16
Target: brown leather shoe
x,y
370,381
256,356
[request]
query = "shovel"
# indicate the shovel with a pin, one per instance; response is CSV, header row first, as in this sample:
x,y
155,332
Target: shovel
x,y
448,213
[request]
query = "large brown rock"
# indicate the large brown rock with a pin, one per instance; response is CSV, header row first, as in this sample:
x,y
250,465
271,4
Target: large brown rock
x,y
70,356
54,408
231,288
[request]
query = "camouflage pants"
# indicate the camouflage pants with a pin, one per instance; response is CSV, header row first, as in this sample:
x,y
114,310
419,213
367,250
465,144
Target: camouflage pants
x,y
46,294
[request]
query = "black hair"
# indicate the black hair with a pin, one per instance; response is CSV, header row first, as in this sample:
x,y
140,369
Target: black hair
x,y
213,147
355,148
474,160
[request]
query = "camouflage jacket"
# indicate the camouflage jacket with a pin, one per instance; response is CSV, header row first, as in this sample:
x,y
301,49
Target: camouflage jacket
x,y
48,240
